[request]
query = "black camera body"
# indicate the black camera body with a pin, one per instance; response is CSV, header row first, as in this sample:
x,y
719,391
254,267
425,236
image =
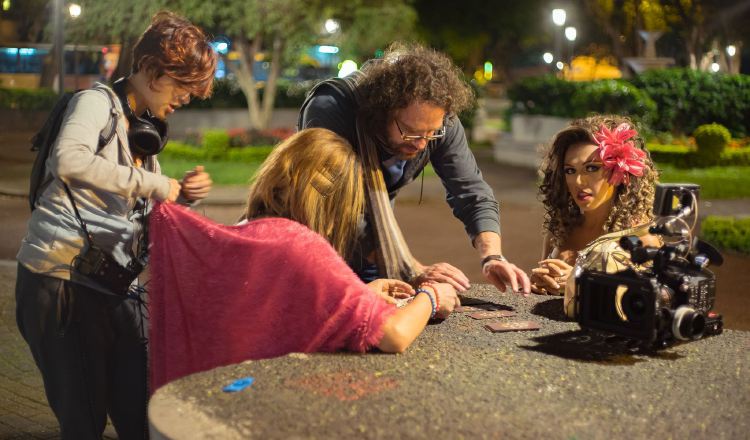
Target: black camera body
x,y
669,301
97,266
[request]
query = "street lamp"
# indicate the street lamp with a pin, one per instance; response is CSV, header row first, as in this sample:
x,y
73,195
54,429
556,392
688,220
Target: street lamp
x,y
332,26
731,51
570,34
74,10
558,17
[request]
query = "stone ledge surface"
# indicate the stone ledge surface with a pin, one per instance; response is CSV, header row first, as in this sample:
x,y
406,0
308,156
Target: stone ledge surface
x,y
460,380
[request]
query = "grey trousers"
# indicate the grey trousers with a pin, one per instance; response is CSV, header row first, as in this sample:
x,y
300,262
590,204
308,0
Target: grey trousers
x,y
91,351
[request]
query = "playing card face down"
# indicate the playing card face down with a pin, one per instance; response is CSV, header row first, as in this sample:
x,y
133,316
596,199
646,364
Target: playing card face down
x,y
479,308
511,326
492,314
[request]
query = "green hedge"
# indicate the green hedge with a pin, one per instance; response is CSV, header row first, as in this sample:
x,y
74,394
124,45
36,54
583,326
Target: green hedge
x,y
721,182
688,98
181,151
684,99
549,95
727,232
28,99
681,156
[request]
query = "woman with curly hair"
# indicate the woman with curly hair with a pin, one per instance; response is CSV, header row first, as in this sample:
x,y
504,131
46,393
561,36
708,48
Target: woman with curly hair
x,y
598,184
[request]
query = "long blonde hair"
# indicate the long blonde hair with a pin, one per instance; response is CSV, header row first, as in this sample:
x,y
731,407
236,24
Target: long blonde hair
x,y
315,178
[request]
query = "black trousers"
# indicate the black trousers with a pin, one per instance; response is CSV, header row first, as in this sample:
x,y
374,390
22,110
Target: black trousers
x,y
91,350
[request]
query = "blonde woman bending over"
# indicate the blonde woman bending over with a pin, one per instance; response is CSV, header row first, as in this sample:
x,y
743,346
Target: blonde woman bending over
x,y
277,282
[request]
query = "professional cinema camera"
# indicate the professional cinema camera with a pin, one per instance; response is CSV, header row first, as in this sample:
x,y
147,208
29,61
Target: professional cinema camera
x,y
669,293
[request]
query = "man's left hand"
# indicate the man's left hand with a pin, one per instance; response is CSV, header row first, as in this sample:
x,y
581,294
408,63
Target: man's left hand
x,y
504,273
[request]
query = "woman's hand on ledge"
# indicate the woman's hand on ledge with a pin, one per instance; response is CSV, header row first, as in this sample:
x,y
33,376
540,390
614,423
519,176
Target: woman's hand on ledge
x,y
550,277
390,290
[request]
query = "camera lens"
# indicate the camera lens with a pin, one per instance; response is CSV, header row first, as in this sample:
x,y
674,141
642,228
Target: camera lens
x,y
634,305
688,323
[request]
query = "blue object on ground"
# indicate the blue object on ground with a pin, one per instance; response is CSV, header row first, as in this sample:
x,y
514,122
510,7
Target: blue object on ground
x,y
238,385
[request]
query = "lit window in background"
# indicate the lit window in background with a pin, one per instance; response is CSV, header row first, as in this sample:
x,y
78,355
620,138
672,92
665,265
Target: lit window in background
x,y
487,71
328,49
6,5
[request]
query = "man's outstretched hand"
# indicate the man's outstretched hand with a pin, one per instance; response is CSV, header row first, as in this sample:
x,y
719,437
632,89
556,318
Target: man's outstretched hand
x,y
504,273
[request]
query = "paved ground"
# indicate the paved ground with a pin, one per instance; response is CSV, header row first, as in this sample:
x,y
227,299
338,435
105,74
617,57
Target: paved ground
x,y
432,232
460,381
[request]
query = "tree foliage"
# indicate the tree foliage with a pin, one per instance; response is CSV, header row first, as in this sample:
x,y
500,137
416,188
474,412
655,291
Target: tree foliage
x,y
472,31
694,24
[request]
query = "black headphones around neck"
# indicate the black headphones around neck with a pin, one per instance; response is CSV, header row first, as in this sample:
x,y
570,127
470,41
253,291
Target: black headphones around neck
x,y
147,134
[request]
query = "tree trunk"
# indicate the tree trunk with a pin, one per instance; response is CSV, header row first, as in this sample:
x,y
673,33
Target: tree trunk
x,y
245,76
269,94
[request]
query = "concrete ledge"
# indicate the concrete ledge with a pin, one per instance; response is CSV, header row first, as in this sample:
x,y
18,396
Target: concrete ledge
x,y
187,121
518,153
524,145
458,380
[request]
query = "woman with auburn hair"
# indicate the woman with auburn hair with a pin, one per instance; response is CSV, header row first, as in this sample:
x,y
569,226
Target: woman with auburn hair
x,y
276,282
598,185
78,307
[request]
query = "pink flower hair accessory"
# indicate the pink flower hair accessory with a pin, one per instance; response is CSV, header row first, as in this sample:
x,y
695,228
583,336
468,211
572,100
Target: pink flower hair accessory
x,y
619,153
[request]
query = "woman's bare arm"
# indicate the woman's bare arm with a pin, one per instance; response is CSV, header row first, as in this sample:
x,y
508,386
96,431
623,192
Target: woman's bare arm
x,y
403,327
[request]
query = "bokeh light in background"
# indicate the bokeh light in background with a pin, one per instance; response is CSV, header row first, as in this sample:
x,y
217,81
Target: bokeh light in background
x,y
558,16
548,57
347,67
74,10
331,26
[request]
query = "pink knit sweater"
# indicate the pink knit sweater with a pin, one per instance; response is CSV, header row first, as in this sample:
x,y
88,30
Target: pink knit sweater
x,y
224,294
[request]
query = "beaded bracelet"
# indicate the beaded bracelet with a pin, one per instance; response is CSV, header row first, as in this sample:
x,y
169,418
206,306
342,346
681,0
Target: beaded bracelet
x,y
433,300
432,286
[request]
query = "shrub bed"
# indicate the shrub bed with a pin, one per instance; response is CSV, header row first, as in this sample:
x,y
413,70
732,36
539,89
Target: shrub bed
x,y
727,232
669,100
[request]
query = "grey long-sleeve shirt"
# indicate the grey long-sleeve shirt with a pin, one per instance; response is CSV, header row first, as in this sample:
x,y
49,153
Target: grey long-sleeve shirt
x,y
469,196
105,185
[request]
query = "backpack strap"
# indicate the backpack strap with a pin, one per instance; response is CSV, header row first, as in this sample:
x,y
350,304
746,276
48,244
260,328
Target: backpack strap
x,y
44,140
106,135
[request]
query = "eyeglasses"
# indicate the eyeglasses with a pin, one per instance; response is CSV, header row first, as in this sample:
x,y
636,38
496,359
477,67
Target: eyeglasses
x,y
414,137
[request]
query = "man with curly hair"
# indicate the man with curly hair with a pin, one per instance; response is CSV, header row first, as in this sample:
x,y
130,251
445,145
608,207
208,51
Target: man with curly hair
x,y
399,113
